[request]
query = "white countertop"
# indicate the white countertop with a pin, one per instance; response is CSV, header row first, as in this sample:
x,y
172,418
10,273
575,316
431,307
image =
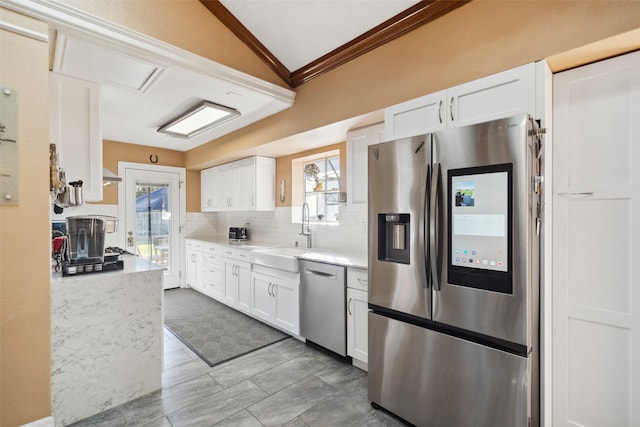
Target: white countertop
x,y
132,264
329,256
224,241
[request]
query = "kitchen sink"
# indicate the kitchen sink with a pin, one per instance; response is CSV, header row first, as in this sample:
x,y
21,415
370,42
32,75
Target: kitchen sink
x,y
280,258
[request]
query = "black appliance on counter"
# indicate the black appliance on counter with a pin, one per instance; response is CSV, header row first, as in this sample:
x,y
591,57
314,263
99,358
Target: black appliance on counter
x,y
83,248
238,234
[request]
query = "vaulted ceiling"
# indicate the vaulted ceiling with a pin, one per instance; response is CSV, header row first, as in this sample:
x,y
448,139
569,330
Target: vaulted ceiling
x,y
303,39
142,89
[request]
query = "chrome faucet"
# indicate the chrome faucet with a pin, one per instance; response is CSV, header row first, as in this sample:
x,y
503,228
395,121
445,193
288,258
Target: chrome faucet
x,y
306,228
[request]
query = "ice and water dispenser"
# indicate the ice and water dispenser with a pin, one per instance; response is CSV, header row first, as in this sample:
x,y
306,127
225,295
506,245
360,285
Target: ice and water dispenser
x,y
393,237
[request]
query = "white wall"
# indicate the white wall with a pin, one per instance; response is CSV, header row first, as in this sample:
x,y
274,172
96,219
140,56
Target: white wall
x,y
110,239
275,227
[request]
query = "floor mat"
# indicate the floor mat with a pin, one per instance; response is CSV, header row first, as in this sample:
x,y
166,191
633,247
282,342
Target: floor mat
x,y
215,332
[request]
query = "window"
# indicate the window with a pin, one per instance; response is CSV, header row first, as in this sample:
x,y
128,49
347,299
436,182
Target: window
x,y
321,187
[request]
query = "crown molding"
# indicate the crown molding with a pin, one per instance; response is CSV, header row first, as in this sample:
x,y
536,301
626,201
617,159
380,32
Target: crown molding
x,y
419,14
240,31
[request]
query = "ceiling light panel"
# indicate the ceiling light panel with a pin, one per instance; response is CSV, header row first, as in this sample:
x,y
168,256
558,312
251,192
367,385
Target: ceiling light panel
x,y
200,119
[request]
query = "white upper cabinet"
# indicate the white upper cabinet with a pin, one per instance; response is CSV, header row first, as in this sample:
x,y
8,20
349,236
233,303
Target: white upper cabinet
x,y
415,117
247,184
75,129
357,142
211,179
500,95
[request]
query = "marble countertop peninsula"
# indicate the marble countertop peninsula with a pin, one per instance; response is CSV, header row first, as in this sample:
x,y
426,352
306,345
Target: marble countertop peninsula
x,y
132,264
106,339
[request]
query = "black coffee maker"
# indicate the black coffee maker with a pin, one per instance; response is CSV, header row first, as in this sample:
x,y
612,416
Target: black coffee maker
x,y
238,234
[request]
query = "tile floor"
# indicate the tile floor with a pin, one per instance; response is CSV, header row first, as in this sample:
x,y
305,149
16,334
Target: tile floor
x,y
286,384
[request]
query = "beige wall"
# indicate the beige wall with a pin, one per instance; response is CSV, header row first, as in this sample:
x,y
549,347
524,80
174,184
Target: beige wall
x,y
114,152
25,235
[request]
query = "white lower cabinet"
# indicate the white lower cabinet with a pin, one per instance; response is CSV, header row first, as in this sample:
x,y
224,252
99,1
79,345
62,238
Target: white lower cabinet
x,y
357,318
226,274
213,276
194,265
275,298
237,284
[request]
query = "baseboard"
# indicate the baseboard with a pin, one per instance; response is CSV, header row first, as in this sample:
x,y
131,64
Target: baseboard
x,y
361,365
44,422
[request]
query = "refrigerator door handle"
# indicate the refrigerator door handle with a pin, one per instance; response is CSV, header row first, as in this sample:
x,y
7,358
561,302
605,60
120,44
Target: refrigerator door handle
x,y
433,226
424,233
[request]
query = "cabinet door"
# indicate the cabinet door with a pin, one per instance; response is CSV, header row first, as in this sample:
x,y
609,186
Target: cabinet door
x,y
264,184
75,129
357,325
287,305
415,117
244,286
500,95
194,269
211,189
248,184
596,199
262,301
227,187
358,141
231,283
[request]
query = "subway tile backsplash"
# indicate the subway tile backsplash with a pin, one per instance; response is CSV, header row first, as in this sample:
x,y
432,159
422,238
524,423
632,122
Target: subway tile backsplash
x,y
275,227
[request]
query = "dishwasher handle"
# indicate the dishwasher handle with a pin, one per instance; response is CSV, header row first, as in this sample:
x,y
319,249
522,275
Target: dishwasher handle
x,y
321,273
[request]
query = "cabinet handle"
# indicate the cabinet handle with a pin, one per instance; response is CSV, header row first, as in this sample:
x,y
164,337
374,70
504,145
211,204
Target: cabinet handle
x,y
451,108
440,111
253,200
577,195
349,308
274,289
269,289
363,281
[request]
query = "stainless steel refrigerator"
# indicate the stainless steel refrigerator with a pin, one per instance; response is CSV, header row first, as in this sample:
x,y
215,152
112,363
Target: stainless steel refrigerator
x,y
454,275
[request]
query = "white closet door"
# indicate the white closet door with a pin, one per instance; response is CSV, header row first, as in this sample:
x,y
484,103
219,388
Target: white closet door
x,y
596,244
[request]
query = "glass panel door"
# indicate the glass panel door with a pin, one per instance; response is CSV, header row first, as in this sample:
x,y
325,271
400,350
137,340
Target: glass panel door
x,y
152,226
153,222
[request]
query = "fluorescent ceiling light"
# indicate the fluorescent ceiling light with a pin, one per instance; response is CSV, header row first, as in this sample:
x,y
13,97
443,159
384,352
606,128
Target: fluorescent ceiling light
x,y
199,119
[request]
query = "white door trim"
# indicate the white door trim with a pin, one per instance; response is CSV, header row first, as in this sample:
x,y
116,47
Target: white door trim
x,y
122,234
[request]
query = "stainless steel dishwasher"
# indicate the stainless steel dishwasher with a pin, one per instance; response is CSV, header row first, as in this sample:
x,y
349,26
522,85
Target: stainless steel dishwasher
x,y
322,305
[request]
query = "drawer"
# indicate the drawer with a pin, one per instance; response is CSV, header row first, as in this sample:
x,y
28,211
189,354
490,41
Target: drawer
x,y
212,249
195,245
237,254
358,278
213,260
213,274
215,288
